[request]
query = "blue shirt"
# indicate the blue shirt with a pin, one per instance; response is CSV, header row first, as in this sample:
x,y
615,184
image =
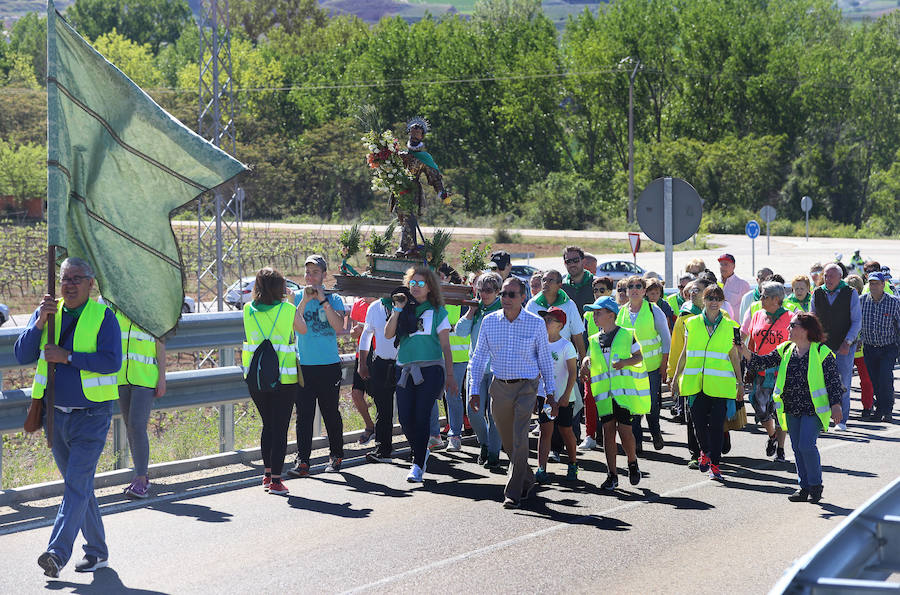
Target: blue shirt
x,y
318,347
107,359
517,349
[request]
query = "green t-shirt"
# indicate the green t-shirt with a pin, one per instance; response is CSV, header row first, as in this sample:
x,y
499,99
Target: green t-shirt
x,y
424,344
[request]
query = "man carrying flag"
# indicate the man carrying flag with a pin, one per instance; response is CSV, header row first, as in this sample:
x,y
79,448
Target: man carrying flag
x,y
118,166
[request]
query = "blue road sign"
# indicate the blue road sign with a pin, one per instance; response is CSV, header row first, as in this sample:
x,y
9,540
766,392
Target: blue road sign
x,y
752,229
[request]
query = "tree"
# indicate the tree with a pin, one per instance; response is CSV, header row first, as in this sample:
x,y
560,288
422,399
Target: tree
x,y
23,171
154,22
136,61
29,38
258,17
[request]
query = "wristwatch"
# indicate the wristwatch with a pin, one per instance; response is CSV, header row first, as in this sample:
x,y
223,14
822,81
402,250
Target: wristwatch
x,y
69,358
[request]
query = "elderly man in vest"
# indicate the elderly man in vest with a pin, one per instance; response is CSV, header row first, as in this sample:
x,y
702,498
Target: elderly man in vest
x,y
88,354
837,307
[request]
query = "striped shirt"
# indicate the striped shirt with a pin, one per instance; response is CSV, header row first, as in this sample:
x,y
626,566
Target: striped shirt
x,y
880,320
516,350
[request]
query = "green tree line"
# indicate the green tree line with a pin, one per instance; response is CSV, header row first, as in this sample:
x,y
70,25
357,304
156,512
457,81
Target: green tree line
x,y
752,101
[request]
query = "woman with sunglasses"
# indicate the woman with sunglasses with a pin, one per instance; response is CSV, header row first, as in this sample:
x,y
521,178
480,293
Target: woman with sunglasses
x,y
621,292
487,287
421,326
708,375
808,393
651,329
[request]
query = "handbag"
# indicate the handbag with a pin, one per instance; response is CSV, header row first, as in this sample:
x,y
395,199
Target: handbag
x,y
35,418
739,420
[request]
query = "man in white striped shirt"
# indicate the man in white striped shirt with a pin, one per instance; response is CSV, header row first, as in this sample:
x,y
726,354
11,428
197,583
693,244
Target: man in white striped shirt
x,y
516,344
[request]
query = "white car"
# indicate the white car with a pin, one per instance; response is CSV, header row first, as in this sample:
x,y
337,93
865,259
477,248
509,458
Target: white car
x,y
4,313
241,292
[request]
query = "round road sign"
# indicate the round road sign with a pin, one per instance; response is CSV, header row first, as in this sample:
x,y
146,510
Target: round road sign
x,y
687,209
752,229
806,204
767,214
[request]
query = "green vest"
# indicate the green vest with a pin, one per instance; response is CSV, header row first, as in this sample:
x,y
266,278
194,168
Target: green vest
x,y
645,331
707,366
139,365
755,307
630,386
814,376
459,346
792,304
675,301
422,346
279,323
96,387
590,325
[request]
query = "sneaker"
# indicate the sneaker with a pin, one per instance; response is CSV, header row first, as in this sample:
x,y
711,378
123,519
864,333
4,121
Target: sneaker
x,y
415,474
541,476
867,415
588,444
779,456
634,473
374,457
801,495
554,456
714,473
367,436
842,427
703,463
572,472
90,563
693,464
299,470
658,442
482,456
267,481
771,444
492,462
611,483
435,443
454,444
277,488
334,465
726,443
50,564
815,493
509,503
138,490
888,418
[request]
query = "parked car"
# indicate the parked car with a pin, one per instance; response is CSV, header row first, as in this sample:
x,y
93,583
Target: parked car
x,y
241,292
523,272
4,313
619,269
189,306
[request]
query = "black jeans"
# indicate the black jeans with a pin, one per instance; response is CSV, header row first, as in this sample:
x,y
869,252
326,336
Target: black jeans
x,y
323,384
709,422
380,385
275,411
693,444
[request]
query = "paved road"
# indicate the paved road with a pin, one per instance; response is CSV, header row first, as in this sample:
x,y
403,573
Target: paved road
x,y
367,530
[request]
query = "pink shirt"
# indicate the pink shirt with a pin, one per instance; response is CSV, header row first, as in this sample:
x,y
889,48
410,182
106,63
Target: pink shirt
x,y
735,288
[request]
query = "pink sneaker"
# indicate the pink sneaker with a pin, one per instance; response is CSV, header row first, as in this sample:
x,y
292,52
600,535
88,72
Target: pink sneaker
x,y
138,490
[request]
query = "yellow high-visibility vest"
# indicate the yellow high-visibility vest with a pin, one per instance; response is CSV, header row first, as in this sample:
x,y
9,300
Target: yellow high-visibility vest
x,y
279,322
630,386
459,346
645,330
139,365
708,368
814,376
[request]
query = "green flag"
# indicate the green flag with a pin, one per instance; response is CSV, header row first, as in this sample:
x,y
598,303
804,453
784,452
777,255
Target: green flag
x,y
118,165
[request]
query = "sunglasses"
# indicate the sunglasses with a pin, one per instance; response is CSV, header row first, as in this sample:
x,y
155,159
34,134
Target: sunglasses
x,y
621,290
635,286
713,299
572,260
509,294
602,290
416,283
794,324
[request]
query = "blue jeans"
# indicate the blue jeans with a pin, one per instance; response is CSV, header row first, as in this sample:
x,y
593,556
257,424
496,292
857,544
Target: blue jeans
x,y
653,416
454,405
845,368
482,421
804,430
880,363
78,440
414,405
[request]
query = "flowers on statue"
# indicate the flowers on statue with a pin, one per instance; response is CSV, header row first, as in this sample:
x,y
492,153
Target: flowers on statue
x,y
389,173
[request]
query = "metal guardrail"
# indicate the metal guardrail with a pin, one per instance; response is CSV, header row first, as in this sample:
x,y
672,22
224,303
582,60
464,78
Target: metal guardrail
x,y
858,556
222,387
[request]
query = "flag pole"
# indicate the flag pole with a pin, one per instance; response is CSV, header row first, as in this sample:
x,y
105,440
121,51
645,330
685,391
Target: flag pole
x,y
51,339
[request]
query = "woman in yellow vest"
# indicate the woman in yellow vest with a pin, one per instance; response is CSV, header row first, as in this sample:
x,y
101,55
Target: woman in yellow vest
x,y
708,375
268,316
141,379
808,393
801,296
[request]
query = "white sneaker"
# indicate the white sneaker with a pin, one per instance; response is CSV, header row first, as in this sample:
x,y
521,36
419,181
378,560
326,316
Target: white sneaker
x,y
588,443
842,427
554,456
415,474
435,443
454,444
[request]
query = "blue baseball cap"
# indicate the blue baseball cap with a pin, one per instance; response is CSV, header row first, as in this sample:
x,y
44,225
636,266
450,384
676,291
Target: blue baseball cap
x,y
876,276
604,302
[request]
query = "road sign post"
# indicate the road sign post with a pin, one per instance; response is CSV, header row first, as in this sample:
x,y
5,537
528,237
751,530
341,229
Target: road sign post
x,y
768,215
634,239
806,206
669,212
752,230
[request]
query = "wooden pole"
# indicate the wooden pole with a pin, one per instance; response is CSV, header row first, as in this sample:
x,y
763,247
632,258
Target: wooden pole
x,y
51,339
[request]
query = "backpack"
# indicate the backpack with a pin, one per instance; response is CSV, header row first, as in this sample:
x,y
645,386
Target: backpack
x,y
264,371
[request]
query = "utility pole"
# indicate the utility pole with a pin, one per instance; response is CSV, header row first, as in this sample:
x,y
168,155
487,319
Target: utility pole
x,y
631,78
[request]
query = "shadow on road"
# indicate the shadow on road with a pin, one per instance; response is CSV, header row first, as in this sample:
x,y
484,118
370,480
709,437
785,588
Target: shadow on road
x,y
537,506
344,510
852,472
103,581
833,510
364,486
199,512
